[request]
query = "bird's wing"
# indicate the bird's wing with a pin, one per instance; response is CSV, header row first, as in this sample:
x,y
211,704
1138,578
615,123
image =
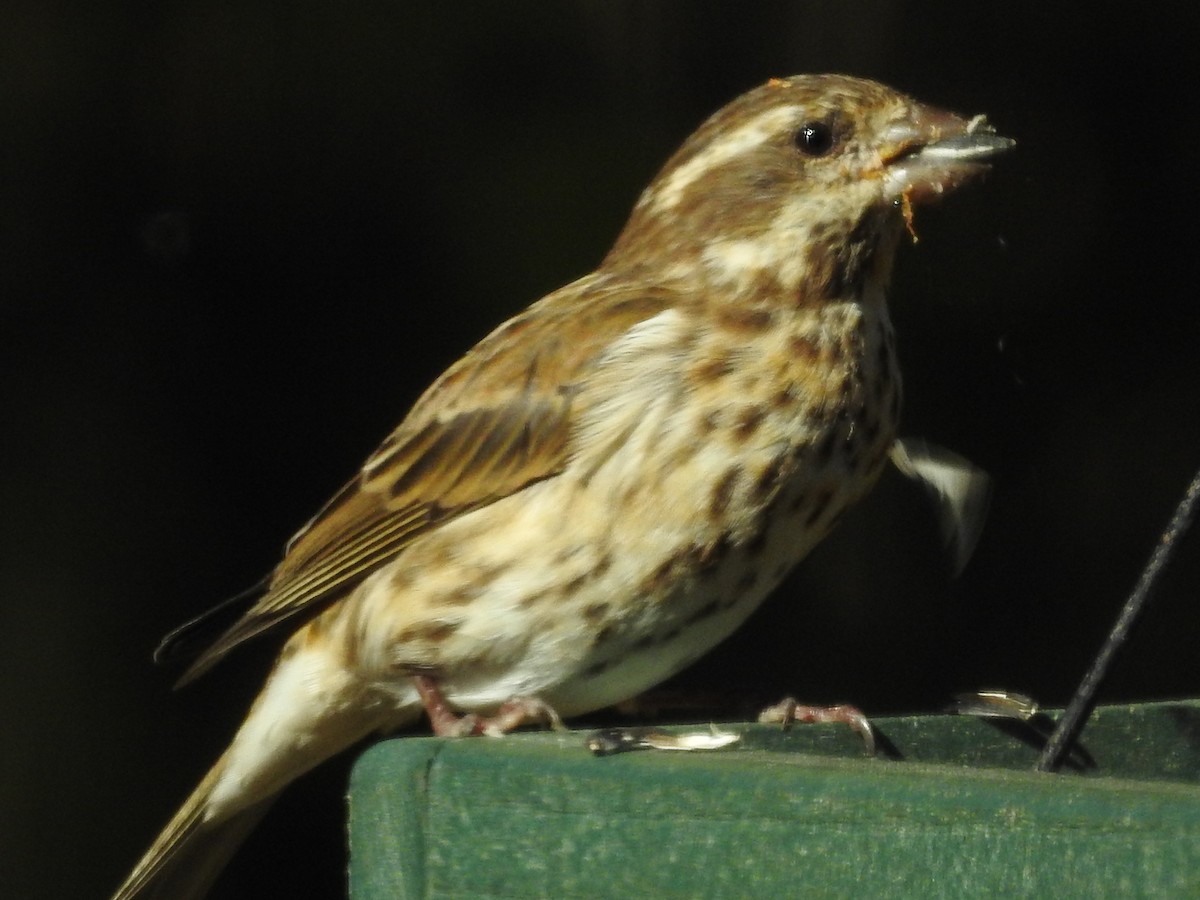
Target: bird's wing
x,y
498,420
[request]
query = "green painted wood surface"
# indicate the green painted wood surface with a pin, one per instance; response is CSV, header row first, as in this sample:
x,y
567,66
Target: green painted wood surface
x,y
792,814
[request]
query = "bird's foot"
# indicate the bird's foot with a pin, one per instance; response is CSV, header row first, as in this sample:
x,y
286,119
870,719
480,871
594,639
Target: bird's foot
x,y
788,712
511,715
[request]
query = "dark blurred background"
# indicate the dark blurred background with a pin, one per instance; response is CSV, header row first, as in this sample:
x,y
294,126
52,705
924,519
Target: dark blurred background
x,y
238,238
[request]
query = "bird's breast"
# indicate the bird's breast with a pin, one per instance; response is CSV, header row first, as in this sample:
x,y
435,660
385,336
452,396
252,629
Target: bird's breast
x,y
775,426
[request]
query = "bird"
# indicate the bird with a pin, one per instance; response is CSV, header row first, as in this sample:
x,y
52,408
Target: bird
x,y
610,482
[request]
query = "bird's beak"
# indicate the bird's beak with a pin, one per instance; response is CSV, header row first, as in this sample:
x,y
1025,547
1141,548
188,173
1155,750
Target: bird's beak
x,y
935,151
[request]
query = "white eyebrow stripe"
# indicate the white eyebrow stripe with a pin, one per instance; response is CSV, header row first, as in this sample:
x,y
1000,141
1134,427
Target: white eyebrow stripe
x,y
755,132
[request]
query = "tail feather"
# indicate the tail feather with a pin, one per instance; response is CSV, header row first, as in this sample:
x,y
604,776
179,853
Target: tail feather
x,y
190,853
310,709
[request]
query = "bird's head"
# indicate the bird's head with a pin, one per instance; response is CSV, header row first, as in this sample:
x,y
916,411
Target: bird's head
x,y
804,178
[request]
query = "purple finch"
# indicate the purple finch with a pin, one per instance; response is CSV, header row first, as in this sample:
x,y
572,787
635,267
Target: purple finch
x,y
610,482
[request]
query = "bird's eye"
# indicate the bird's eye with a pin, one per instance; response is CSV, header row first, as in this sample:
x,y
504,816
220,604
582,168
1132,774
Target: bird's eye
x,y
814,138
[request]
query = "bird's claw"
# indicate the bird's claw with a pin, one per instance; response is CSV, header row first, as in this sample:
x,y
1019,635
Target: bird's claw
x,y
788,711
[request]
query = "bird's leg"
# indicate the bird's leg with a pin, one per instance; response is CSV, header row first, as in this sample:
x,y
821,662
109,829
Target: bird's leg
x,y
516,712
788,711
445,721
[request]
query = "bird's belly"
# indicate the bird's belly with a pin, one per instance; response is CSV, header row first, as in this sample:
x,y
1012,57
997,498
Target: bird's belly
x,y
702,616
679,624
592,624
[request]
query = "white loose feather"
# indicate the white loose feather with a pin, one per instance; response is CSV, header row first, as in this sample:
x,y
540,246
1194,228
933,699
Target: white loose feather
x,y
960,488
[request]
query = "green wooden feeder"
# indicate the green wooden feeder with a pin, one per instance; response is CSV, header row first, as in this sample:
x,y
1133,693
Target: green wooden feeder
x,y
953,809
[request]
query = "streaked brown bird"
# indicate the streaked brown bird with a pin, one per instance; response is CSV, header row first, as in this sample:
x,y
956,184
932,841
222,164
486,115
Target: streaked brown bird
x,y
610,482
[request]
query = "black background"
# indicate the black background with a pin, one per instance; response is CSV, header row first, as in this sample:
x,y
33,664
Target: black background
x,y
238,238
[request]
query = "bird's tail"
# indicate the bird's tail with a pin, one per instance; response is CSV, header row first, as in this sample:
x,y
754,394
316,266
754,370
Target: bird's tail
x,y
310,709
190,852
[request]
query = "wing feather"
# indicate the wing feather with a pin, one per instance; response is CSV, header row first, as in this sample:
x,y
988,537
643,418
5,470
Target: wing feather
x,y
497,421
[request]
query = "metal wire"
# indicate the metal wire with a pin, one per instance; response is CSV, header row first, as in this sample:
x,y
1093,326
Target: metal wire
x,y
1075,716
